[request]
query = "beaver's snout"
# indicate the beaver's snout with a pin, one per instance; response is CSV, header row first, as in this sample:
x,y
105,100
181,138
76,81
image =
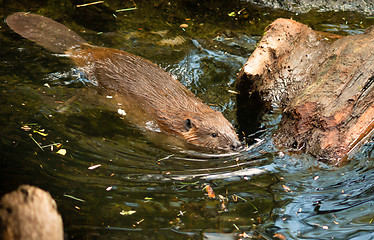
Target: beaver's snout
x,y
235,145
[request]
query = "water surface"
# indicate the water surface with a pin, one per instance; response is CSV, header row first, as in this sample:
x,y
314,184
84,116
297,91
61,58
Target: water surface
x,y
139,191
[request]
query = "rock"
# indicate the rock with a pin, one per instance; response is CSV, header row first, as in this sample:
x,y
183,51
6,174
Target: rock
x,y
29,213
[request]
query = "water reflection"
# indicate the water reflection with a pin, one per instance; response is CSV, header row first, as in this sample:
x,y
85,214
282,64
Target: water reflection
x,y
327,203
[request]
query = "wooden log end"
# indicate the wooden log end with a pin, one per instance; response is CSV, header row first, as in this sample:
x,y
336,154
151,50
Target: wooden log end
x,y
30,213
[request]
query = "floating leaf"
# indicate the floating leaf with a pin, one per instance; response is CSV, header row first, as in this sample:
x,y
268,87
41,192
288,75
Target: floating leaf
x,y
127,213
210,191
41,133
26,128
287,189
280,236
62,152
232,14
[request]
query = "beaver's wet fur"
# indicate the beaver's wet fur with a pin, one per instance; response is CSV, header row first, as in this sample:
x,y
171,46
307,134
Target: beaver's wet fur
x,y
149,95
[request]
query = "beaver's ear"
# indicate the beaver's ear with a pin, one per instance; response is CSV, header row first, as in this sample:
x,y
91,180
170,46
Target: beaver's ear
x,y
188,124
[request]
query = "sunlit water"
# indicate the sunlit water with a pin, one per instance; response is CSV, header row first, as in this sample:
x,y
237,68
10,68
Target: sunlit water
x,y
114,183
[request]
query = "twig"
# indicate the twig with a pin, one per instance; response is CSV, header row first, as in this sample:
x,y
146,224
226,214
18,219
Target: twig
x,y
53,144
89,4
75,198
167,157
36,142
126,9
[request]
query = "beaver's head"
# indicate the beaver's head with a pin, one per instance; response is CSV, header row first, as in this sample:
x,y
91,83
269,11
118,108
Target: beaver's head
x,y
210,131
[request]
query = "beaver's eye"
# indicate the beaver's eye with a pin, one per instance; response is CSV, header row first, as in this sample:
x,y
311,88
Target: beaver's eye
x,y
188,124
214,134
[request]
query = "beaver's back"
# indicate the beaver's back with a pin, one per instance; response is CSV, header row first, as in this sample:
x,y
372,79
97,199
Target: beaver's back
x,y
141,80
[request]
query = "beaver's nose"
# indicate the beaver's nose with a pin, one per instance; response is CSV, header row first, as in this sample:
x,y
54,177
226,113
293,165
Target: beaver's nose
x,y
235,145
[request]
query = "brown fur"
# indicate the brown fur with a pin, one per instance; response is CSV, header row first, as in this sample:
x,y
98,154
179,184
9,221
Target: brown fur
x,y
164,99
147,93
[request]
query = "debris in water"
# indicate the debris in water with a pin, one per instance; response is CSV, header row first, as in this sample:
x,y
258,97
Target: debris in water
x,y
36,142
94,166
237,228
89,4
52,145
233,92
41,132
139,222
286,189
280,236
62,152
75,198
126,9
181,213
121,112
127,213
210,191
167,157
26,128
232,14
244,235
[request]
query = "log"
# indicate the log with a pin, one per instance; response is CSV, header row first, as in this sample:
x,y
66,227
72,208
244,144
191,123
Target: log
x,y
304,6
30,213
322,83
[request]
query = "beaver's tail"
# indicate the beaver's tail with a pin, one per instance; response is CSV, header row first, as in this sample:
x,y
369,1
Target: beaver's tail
x,y
44,31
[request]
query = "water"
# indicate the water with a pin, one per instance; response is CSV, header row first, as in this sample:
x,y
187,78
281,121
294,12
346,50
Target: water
x,y
139,191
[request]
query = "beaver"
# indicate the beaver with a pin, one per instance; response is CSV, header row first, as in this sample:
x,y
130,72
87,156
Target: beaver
x,y
152,99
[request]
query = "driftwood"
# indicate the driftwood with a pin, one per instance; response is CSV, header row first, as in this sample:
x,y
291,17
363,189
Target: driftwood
x,y
323,84
303,6
29,213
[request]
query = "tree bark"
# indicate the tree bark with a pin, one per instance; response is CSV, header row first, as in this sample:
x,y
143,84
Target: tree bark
x,y
323,84
303,6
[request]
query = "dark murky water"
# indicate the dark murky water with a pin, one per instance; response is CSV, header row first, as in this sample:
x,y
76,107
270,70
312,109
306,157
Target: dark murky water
x,y
140,191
